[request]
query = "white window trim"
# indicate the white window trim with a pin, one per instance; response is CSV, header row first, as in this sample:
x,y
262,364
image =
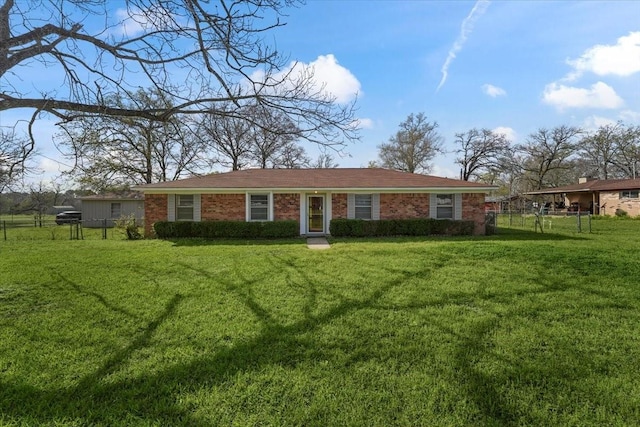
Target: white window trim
x,y
269,206
456,205
375,205
193,208
356,206
172,206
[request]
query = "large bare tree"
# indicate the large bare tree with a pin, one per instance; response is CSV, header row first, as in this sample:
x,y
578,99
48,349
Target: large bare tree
x,y
548,156
413,146
627,159
121,151
199,52
15,151
479,152
272,134
599,150
324,161
229,137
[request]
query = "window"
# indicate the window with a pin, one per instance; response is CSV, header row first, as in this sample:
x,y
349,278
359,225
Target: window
x,y
444,206
259,207
184,207
116,210
363,206
629,194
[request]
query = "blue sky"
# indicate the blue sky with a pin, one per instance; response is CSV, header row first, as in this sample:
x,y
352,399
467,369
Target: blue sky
x,y
512,66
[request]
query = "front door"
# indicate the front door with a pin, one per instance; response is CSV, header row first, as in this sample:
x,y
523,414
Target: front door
x,y
315,220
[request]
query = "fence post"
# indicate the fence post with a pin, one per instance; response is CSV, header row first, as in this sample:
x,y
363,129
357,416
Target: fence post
x,y
4,229
579,222
589,223
104,229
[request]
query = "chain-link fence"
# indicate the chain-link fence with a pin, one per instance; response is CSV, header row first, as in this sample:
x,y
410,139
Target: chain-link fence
x,y
541,222
25,228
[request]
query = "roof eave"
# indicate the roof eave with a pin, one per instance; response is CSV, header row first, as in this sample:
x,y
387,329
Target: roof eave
x,y
205,190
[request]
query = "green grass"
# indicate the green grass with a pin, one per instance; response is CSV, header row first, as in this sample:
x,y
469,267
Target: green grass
x,y
513,329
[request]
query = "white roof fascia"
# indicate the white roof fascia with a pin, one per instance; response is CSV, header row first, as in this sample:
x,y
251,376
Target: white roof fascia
x,y
208,190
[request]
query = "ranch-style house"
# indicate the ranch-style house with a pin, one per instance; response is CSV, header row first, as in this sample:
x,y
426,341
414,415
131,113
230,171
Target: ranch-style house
x,y
314,197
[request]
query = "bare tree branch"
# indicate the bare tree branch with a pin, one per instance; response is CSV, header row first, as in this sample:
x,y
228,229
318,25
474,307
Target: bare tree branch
x,y
413,146
201,53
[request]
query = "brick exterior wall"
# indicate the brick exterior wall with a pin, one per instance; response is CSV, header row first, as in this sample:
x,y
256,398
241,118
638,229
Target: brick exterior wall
x,y
223,207
339,205
220,207
286,206
404,205
610,201
155,209
473,209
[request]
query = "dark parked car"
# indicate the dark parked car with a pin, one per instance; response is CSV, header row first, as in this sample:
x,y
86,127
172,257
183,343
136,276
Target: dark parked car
x,y
68,217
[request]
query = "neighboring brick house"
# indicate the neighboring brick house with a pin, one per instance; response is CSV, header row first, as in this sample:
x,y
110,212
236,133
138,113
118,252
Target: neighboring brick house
x,y
600,197
313,197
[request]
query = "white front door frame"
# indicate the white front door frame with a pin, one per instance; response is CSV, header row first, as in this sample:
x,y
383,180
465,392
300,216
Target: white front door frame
x,y
316,213
304,213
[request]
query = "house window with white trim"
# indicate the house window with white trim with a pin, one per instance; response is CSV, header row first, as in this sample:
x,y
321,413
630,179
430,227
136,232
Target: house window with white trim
x,y
116,210
629,194
184,207
444,206
258,207
363,205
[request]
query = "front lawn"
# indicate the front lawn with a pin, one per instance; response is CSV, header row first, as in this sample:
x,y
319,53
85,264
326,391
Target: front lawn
x,y
513,329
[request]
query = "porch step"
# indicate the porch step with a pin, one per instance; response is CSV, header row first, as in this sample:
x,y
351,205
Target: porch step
x,y
317,243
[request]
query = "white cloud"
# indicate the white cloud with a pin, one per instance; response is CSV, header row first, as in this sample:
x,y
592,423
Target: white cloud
x,y
338,80
328,76
592,123
621,59
506,131
444,171
48,166
467,27
630,116
127,26
493,91
599,95
135,22
365,123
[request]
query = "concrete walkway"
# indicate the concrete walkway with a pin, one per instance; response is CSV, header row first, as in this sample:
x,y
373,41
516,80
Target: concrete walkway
x,y
317,243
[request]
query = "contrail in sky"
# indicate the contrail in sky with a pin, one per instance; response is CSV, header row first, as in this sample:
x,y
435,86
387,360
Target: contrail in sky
x,y
467,26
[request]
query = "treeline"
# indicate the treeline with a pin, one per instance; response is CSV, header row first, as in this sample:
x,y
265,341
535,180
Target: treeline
x,y
38,201
546,158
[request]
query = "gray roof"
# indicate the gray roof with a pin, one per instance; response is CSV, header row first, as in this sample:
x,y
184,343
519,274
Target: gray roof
x,y
130,195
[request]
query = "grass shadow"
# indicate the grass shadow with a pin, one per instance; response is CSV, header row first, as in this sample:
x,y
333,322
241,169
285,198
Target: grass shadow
x,y
505,234
189,242
154,397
